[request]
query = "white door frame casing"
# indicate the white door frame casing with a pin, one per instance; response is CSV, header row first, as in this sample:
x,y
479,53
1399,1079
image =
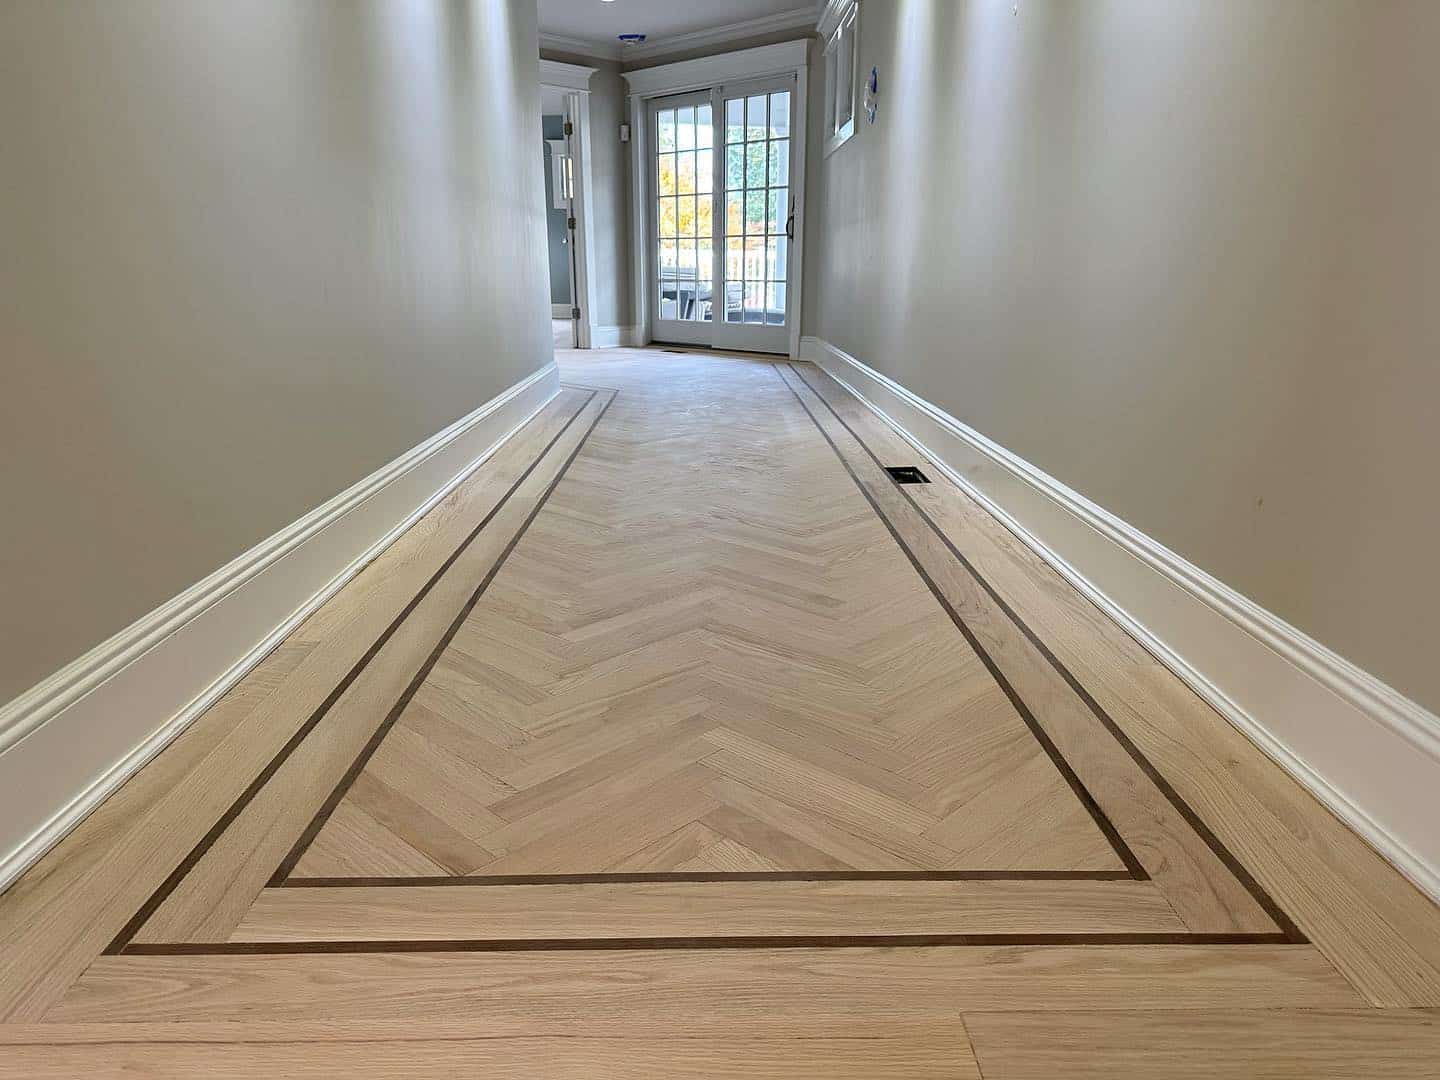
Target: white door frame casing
x,y
785,58
797,246
573,81
639,208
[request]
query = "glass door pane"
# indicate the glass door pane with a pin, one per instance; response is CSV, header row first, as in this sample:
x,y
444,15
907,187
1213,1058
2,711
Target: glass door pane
x,y
756,225
722,192
683,193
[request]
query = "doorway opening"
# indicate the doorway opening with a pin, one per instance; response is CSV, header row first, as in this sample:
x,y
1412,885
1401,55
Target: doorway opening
x,y
559,195
723,213
719,199
565,133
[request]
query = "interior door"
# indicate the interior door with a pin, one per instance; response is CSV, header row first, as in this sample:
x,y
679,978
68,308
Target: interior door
x,y
682,216
757,221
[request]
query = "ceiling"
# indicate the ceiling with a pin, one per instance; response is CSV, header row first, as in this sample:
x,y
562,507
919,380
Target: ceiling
x,y
592,26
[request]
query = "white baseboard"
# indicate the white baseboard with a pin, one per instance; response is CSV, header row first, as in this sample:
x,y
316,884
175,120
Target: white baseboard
x,y
560,311
1363,749
71,740
611,337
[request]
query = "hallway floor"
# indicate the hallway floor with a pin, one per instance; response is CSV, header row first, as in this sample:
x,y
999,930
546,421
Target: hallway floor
x,y
680,741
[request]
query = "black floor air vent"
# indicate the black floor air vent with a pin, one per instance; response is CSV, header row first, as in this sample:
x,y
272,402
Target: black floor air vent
x,y
906,474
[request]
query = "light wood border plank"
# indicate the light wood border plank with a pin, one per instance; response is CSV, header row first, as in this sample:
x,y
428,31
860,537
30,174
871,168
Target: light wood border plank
x,y
707,909
587,991
1374,1044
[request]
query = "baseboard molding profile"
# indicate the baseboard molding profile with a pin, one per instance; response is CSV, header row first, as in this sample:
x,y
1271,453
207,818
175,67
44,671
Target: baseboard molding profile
x,y
1370,754
71,740
613,337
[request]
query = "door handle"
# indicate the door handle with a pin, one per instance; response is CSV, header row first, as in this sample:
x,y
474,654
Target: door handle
x,y
790,221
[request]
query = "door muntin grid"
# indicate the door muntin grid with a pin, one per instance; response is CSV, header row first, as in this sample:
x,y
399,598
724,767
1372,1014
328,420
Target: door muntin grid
x,y
757,207
684,212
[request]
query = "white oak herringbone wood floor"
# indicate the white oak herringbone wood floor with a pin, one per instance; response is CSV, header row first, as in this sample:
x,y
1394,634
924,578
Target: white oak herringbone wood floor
x,y
707,653
678,741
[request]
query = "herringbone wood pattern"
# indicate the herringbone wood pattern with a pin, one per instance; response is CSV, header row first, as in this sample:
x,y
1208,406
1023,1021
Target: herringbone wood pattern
x,y
723,631
707,653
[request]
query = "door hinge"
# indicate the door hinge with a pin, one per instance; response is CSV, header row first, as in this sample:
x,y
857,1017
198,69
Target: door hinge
x,y
574,312
569,128
570,224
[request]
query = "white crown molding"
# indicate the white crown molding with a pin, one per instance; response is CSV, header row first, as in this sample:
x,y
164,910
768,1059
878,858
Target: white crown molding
x,y
600,50
799,19
802,18
831,15
782,58
1361,747
566,76
72,739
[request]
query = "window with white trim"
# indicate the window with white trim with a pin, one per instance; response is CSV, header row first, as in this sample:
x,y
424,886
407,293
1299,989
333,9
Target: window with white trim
x,y
840,78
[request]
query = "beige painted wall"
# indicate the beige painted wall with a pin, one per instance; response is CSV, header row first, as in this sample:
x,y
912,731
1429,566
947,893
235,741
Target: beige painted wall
x,y
1184,256
251,252
610,173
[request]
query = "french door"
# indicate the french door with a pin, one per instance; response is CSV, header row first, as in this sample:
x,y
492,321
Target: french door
x,y
722,208
682,218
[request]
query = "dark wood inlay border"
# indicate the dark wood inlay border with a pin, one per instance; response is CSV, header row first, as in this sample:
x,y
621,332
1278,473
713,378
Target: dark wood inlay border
x,y
1134,870
704,876
156,898
1041,736
358,765
1288,933
1287,926
862,941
